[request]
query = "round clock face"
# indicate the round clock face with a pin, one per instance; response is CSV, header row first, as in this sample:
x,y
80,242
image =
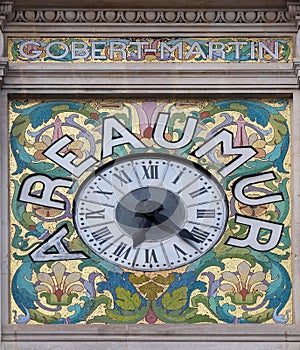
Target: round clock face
x,y
150,212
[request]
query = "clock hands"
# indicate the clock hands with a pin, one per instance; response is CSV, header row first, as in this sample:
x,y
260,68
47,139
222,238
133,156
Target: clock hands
x,y
164,222
160,212
150,212
168,225
148,208
140,236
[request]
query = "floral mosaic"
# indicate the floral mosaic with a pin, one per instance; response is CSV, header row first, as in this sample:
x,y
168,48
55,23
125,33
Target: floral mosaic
x,y
227,285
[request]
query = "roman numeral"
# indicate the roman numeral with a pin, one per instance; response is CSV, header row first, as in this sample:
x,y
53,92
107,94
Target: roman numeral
x,y
198,235
205,213
179,251
106,194
102,235
150,172
177,178
150,255
123,177
97,214
198,192
122,250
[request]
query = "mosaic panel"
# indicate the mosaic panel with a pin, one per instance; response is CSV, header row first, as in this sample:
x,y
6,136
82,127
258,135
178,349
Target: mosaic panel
x,y
150,211
150,50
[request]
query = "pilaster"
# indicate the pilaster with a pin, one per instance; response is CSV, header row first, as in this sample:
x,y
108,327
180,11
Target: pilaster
x,y
6,12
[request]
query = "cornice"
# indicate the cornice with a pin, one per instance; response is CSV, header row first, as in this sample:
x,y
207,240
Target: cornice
x,y
20,20
155,16
137,16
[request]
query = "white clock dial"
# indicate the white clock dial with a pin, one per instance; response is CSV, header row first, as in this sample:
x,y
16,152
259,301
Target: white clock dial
x,y
150,212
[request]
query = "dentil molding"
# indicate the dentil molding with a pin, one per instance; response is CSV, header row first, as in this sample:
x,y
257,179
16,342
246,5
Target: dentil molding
x,y
130,16
152,16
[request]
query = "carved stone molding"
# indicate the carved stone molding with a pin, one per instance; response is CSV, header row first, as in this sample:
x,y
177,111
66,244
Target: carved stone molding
x,y
6,10
294,12
154,16
294,9
296,64
158,79
3,69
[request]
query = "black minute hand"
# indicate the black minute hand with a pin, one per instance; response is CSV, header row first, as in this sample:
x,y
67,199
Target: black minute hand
x,y
164,222
140,236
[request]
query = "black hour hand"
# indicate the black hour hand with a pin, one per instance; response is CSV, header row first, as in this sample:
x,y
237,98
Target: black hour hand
x,y
140,236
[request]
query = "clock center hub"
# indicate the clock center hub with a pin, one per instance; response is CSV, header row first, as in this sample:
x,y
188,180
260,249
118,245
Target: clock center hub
x,y
149,206
153,213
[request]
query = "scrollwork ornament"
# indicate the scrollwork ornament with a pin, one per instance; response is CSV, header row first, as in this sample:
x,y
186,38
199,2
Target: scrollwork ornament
x,y
6,12
6,9
293,10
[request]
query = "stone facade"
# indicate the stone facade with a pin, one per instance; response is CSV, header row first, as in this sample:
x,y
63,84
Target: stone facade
x,y
29,81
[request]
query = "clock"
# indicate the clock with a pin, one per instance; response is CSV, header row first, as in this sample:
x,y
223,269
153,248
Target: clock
x,y
150,212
